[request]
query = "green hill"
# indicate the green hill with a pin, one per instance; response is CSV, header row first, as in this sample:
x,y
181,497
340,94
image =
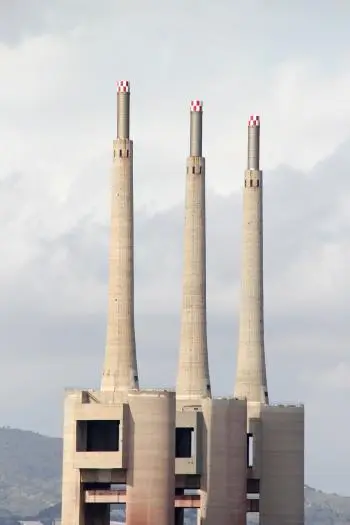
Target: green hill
x,y
30,482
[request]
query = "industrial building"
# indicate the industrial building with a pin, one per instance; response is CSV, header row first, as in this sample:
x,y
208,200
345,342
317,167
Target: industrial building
x,y
162,451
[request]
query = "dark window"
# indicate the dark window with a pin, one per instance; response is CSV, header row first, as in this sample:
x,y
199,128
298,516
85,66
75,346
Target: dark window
x,y
120,153
98,436
253,486
193,170
183,442
258,183
251,183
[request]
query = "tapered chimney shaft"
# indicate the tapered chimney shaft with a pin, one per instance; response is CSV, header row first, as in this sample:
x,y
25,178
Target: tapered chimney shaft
x,y
193,372
251,380
120,366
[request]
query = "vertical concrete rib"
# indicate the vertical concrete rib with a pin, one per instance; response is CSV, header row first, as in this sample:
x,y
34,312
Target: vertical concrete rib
x,y
282,465
151,465
223,500
193,372
120,366
251,382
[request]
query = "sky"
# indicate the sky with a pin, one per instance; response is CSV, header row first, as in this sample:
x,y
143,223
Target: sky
x,y
59,62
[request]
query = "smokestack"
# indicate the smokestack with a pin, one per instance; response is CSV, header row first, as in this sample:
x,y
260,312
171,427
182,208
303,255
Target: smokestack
x,y
123,109
253,142
193,372
120,366
251,380
196,128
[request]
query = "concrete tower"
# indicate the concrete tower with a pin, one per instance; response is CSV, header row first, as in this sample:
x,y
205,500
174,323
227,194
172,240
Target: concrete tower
x,y
120,366
275,433
251,380
193,372
119,442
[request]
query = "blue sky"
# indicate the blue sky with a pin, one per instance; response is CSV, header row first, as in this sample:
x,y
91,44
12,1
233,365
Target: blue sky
x,y
289,63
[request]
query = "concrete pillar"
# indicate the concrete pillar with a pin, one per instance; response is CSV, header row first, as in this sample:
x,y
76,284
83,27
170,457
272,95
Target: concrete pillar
x,y
224,500
151,469
282,465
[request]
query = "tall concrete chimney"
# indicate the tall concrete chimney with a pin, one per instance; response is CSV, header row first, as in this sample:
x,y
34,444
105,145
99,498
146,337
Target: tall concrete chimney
x,y
120,366
193,372
251,380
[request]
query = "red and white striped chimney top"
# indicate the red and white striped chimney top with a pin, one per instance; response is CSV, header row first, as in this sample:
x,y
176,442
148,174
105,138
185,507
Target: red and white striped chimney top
x,y
123,86
196,105
254,121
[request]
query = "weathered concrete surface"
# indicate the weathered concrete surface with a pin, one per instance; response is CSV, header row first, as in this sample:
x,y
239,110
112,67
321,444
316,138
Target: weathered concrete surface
x,y
193,379
120,366
251,382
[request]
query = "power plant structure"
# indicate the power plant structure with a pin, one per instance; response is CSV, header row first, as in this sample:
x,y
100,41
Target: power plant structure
x,y
160,452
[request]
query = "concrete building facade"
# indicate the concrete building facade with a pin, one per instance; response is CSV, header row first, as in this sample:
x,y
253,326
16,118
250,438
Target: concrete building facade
x,y
160,452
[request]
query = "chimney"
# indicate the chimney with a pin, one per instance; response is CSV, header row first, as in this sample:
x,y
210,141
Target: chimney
x,y
193,380
251,380
120,366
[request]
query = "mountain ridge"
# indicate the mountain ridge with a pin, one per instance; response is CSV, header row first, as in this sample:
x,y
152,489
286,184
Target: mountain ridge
x,y
30,482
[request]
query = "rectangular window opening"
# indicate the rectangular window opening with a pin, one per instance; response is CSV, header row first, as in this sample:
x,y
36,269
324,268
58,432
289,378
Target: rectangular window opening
x,y
97,486
98,436
184,442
